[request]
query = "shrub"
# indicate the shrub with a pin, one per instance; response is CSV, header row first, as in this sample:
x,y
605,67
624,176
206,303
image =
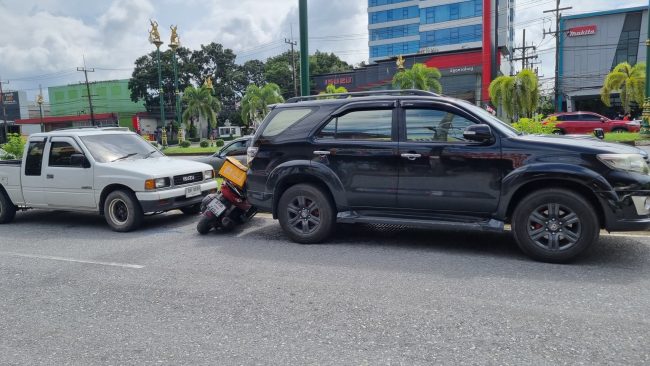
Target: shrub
x,y
536,125
14,146
219,142
185,144
204,143
154,143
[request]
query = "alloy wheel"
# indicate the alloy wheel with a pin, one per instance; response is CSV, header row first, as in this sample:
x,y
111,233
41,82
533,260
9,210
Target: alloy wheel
x,y
554,227
304,215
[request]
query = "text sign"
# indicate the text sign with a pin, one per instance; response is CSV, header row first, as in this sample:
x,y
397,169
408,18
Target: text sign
x,y
585,30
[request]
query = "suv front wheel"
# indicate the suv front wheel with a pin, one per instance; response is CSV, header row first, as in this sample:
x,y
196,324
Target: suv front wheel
x,y
555,225
306,214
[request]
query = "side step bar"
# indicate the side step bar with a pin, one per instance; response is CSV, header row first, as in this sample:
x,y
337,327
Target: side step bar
x,y
351,217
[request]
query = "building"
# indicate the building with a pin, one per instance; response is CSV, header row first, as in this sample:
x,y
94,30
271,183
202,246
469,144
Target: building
x,y
468,45
590,46
107,97
13,106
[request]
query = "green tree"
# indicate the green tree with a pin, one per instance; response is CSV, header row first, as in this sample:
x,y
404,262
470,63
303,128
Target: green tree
x,y
419,77
13,147
629,81
333,89
200,103
255,103
518,95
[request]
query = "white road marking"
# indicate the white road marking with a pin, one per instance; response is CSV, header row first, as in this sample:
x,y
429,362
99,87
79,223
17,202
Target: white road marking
x,y
112,264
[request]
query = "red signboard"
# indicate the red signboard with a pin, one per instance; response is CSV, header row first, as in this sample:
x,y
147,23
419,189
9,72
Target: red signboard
x,y
585,30
339,80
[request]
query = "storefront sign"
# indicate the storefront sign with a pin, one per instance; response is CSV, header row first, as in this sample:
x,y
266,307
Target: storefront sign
x,y
585,30
428,50
339,80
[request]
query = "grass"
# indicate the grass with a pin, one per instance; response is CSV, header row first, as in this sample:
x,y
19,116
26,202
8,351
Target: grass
x,y
623,136
177,150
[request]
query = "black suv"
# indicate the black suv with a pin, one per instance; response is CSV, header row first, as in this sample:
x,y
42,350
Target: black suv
x,y
420,159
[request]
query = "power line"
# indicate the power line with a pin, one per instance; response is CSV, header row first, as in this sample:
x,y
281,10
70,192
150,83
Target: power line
x,y
556,34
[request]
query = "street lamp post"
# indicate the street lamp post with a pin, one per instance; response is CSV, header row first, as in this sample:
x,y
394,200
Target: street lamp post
x,y
154,38
645,125
174,43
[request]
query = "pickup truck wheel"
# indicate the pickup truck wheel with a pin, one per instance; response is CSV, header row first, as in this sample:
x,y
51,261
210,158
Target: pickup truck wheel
x,y
555,225
7,209
191,210
306,214
123,212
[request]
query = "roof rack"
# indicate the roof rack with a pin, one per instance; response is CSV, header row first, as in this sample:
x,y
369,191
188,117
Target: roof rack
x,y
74,128
363,94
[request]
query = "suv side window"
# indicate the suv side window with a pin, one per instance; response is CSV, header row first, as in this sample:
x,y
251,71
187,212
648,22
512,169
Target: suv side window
x,y
60,154
34,161
284,119
435,125
375,125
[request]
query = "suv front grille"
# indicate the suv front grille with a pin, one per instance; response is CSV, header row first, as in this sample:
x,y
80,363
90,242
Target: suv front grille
x,y
180,180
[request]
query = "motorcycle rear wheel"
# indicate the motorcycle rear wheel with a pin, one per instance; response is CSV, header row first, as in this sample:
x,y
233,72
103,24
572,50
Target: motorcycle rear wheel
x,y
204,225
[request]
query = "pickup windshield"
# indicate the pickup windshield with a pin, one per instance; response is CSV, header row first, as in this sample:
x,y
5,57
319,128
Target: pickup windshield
x,y
109,148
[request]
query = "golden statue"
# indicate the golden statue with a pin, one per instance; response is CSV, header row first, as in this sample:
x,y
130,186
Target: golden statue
x,y
400,62
154,36
208,83
175,40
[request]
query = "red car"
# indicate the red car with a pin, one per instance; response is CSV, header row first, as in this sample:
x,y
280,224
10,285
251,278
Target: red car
x,y
586,122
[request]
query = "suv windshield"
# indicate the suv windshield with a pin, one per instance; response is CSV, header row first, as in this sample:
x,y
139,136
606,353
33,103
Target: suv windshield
x,y
108,148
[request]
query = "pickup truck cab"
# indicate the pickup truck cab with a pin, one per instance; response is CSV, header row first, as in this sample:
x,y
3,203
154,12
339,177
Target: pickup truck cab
x,y
111,171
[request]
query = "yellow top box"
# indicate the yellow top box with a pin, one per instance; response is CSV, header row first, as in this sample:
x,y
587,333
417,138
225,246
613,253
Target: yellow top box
x,y
234,171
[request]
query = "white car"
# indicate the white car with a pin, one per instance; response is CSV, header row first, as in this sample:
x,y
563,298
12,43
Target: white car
x,y
111,171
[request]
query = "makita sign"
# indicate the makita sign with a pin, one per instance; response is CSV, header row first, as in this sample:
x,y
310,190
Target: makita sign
x,y
585,30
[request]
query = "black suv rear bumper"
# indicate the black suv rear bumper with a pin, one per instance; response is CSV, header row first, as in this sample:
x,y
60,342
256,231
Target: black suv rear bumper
x,y
263,201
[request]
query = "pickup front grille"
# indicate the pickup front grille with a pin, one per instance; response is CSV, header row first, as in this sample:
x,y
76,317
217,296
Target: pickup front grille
x,y
180,180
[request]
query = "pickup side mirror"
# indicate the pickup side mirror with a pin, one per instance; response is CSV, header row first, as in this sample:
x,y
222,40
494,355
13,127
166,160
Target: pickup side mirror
x,y
79,160
479,133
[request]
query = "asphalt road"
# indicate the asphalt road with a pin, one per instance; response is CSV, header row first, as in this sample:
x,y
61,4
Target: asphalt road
x,y
73,292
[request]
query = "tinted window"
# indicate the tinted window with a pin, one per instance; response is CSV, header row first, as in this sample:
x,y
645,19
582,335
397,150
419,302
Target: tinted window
x,y
34,161
589,117
429,125
360,125
284,119
235,148
60,154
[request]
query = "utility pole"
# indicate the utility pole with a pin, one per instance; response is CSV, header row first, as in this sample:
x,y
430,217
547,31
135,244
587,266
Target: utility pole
x,y
645,125
39,100
557,36
304,49
524,59
90,99
4,110
293,62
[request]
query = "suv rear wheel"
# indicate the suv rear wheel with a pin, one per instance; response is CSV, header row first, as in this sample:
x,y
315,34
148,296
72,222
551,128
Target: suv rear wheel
x,y
555,225
306,214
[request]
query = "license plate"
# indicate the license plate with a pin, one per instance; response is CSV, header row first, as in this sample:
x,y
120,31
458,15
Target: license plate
x,y
216,207
192,191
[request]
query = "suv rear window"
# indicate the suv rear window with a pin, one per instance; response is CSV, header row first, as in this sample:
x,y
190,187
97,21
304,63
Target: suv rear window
x,y
284,119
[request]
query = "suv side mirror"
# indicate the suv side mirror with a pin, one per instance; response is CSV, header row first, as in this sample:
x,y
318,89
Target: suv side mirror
x,y
479,133
79,160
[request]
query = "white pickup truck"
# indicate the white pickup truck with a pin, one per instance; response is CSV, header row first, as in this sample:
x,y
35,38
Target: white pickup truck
x,y
111,171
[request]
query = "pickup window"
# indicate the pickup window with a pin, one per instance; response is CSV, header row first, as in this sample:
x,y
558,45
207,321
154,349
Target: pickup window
x,y
34,160
60,154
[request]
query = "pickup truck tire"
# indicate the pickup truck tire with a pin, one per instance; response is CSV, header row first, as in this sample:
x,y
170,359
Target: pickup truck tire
x,y
7,209
555,225
123,211
306,214
191,210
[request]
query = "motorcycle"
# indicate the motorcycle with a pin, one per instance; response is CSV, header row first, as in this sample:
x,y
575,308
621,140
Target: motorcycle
x,y
228,207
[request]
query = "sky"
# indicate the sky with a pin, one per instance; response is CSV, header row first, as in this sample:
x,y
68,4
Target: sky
x,y
43,42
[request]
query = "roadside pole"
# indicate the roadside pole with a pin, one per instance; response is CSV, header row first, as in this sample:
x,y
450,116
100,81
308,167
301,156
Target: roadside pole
x,y
304,50
645,125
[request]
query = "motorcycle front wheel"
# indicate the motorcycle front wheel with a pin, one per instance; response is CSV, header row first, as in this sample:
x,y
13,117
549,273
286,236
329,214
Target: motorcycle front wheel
x,y
204,225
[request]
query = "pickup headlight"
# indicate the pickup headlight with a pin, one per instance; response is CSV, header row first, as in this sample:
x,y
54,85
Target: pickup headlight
x,y
151,184
626,162
208,174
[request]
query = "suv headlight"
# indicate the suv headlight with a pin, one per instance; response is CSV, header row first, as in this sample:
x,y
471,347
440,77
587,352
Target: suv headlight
x,y
208,174
626,162
157,183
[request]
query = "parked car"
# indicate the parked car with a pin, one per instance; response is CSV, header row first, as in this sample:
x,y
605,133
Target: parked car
x,y
419,159
586,122
110,171
235,148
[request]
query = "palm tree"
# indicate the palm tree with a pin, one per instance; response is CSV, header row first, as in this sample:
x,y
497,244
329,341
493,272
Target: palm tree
x,y
200,103
629,81
256,101
333,89
419,76
518,95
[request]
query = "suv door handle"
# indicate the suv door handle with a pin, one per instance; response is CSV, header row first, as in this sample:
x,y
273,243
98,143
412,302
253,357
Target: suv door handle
x,y
411,156
321,152
49,176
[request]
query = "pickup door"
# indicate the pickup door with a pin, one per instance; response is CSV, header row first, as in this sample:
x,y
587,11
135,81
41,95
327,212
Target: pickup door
x,y
66,184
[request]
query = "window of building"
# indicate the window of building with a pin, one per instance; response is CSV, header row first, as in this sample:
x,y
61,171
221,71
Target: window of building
x,y
448,36
394,14
375,125
445,13
434,125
